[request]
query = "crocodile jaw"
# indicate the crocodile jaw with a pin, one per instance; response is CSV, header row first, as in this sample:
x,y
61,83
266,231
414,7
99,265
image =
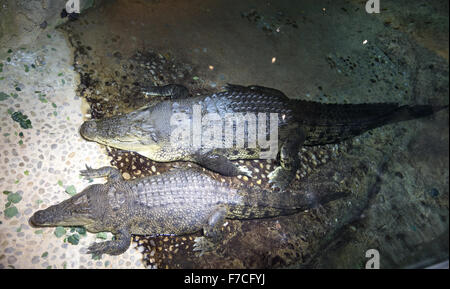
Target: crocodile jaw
x,y
42,218
75,211
123,132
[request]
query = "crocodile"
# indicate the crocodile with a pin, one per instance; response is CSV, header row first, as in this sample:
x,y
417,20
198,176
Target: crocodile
x,y
148,130
180,201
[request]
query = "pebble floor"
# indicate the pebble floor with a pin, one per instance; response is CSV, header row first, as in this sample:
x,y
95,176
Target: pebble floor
x,y
41,162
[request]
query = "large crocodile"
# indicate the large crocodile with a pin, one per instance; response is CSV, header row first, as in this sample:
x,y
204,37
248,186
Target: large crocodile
x,y
148,130
181,201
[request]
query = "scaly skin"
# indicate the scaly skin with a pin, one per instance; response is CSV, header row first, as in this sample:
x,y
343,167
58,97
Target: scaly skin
x,y
148,130
178,202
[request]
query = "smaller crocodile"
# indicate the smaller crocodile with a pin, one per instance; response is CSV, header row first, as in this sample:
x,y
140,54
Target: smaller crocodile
x,y
180,201
148,130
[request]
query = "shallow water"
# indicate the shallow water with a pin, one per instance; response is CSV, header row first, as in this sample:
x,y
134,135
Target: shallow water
x,y
314,50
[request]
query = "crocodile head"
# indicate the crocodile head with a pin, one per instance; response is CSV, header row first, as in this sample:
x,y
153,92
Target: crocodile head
x,y
80,210
133,131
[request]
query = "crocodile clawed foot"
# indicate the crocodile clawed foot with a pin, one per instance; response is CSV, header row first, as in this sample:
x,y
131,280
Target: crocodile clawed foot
x,y
281,178
87,173
97,249
203,245
103,172
243,170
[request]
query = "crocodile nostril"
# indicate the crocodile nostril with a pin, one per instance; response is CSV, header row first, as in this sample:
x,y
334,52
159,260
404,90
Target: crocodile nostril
x,y
88,128
37,218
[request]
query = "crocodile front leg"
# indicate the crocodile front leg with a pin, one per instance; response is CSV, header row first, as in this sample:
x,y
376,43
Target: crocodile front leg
x,y
115,247
104,172
220,164
212,231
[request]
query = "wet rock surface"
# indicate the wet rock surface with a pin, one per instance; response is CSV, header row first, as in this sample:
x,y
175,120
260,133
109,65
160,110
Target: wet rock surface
x,y
22,21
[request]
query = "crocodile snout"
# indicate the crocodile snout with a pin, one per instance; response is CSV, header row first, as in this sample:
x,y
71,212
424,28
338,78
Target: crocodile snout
x,y
88,129
39,218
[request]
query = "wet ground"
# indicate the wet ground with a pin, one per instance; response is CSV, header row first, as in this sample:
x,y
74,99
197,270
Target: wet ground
x,y
315,50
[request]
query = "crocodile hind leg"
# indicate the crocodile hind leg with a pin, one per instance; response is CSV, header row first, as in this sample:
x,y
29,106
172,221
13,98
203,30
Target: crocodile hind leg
x,y
175,91
220,164
283,175
104,172
212,231
116,247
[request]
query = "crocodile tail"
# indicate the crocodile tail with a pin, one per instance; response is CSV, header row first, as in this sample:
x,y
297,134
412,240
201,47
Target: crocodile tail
x,y
364,114
407,112
333,123
330,183
264,203
260,203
